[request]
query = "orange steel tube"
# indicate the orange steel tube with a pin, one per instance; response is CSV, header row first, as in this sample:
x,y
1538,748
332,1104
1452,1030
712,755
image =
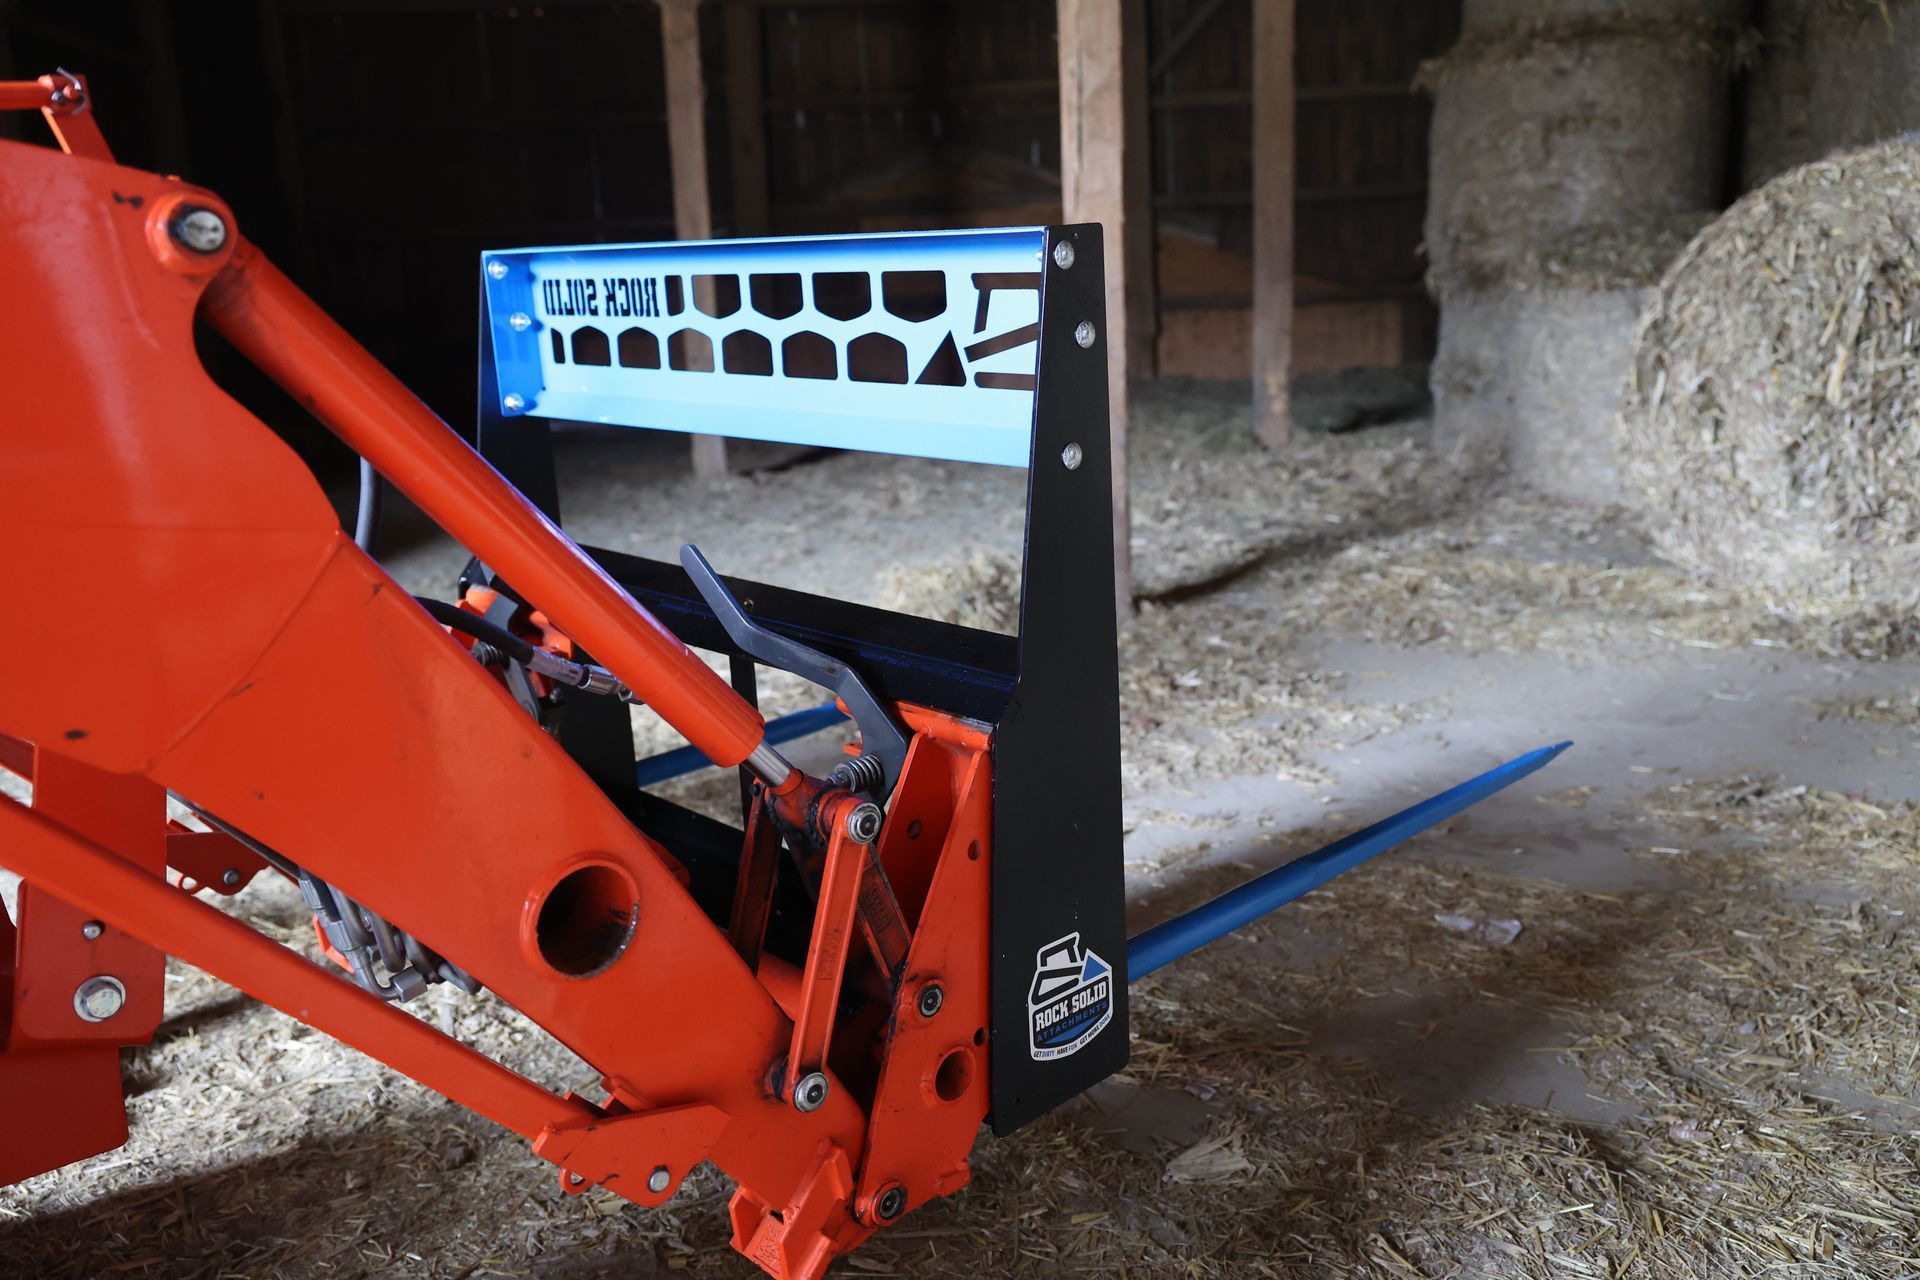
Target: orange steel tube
x,y
24,95
101,883
280,329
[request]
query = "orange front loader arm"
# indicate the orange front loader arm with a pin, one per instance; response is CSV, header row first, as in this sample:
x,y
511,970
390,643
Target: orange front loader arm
x,y
186,615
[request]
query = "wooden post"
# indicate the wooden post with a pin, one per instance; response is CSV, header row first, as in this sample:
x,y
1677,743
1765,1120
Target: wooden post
x,y
1093,159
1143,303
746,120
1273,184
687,144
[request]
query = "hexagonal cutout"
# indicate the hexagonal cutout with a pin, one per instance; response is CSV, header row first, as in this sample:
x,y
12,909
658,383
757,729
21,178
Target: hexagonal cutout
x,y
914,295
809,355
590,346
843,295
690,351
747,352
874,357
776,295
717,296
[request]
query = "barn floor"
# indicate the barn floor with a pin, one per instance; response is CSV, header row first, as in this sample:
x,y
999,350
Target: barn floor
x,y
1649,1014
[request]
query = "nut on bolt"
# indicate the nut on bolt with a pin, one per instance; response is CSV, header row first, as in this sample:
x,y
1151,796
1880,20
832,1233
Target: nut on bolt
x,y
863,824
810,1092
931,998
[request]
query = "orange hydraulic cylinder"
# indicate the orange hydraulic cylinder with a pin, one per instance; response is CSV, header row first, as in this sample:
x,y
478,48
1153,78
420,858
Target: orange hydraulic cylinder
x,y
147,907
280,329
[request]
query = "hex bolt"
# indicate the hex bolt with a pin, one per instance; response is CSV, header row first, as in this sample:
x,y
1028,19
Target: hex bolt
x,y
810,1093
519,322
1063,253
863,824
891,1203
496,269
198,228
1071,456
931,998
513,402
659,1180
1084,334
231,879
92,929
99,998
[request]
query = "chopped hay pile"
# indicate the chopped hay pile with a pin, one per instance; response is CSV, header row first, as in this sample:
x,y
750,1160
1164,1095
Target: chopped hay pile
x,y
1772,422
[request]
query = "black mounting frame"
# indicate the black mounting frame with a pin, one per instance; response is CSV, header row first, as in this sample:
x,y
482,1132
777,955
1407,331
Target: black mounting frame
x,y
1049,695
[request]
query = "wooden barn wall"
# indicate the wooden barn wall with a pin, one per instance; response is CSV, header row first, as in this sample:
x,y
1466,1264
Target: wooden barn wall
x,y
374,147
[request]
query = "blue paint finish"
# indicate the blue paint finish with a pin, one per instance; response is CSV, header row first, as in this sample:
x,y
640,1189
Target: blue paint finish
x,y
940,308
684,760
1167,942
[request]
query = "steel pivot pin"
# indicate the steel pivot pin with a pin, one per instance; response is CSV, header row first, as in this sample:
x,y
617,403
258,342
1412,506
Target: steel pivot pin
x,y
810,1092
198,228
1063,253
931,998
659,1180
99,998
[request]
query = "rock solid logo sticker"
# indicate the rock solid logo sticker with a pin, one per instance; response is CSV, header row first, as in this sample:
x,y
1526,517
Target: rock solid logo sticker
x,y
1071,1000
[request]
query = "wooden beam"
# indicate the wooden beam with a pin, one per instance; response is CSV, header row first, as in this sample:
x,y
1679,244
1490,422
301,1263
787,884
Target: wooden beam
x,y
747,120
1273,187
1093,188
1143,310
687,146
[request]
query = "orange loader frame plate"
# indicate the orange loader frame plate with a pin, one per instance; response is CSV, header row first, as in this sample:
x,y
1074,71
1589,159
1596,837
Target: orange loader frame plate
x,y
221,638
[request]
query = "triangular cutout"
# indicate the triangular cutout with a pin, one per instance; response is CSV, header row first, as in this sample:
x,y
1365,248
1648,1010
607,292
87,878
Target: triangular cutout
x,y
945,369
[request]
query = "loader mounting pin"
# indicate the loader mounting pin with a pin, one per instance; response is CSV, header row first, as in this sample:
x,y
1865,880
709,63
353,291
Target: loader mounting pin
x,y
810,1093
863,824
99,998
1063,253
931,998
892,1202
198,228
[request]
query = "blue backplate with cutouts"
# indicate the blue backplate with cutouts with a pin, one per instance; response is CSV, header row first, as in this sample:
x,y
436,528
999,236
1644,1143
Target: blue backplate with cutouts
x,y
917,343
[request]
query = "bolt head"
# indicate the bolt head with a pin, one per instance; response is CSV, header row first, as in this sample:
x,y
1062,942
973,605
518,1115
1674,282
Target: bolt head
x,y
1071,457
891,1203
496,269
931,998
863,824
1084,334
231,879
659,1180
92,929
198,228
513,402
1063,253
519,322
810,1093
99,998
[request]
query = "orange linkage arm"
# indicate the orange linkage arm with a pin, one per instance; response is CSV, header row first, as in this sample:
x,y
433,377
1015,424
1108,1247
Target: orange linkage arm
x,y
280,329
63,99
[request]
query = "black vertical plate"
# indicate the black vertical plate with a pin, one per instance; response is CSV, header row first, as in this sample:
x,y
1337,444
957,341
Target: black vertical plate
x,y
1057,868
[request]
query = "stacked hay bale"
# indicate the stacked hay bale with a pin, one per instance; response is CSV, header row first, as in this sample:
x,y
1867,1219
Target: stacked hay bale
x,y
1577,145
1831,75
1773,417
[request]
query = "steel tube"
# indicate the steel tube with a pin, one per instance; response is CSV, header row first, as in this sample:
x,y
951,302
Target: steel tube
x,y
1167,942
300,347
100,882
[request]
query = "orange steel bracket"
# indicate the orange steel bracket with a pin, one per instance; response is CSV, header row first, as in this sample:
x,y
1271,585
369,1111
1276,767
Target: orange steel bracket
x,y
252,660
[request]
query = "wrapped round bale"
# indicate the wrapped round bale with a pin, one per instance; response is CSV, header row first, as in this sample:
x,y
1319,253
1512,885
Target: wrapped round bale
x,y
1772,418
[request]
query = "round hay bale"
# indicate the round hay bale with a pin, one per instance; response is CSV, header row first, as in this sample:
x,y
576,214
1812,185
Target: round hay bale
x,y
1603,117
1831,75
1772,418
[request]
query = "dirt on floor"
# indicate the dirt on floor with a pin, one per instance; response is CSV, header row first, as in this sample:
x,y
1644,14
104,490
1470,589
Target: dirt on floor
x,y
1648,1014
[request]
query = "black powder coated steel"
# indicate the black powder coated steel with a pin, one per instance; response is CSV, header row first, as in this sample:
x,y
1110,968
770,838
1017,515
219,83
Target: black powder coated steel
x,y
1051,696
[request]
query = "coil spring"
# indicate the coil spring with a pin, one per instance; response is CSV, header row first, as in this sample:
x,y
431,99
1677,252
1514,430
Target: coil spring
x,y
859,773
